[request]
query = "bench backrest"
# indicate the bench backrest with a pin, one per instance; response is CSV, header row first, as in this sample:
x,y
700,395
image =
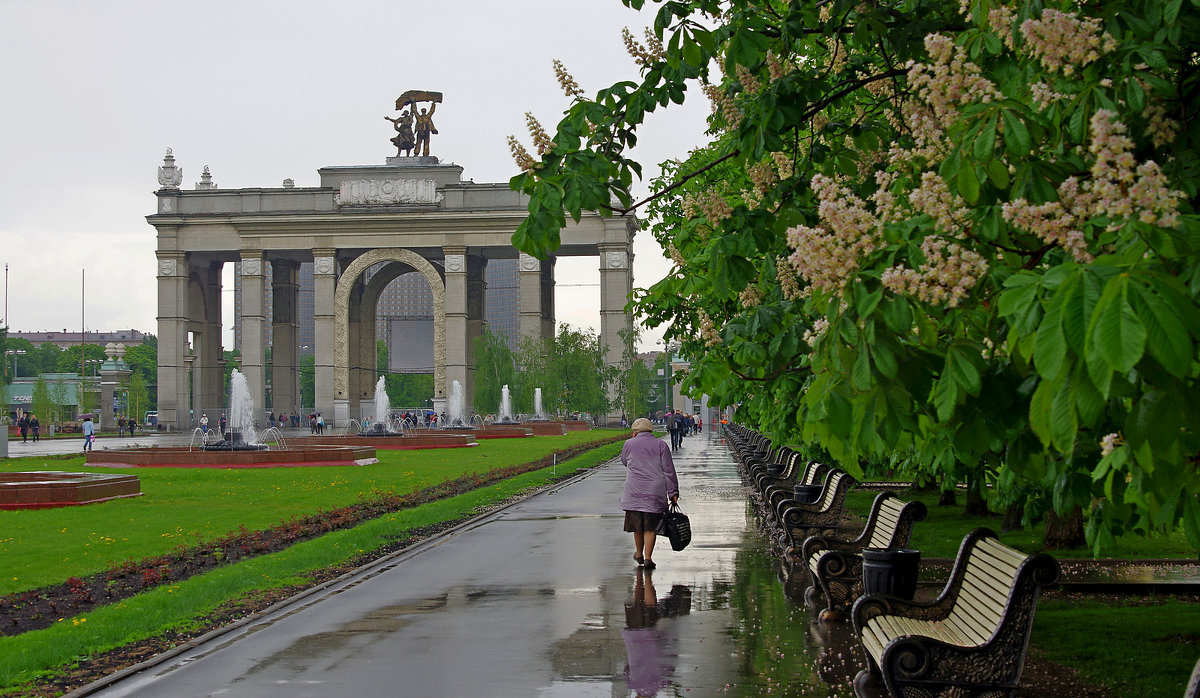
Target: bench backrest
x,y
814,472
830,493
991,572
888,522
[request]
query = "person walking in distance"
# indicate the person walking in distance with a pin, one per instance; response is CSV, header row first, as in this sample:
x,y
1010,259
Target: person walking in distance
x,y
650,482
674,427
89,433
23,425
35,426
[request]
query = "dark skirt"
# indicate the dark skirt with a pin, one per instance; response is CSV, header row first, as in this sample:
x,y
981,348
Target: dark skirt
x,y
636,521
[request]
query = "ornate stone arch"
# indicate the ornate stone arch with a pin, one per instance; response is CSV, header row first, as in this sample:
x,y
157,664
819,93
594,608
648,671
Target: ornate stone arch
x,y
341,305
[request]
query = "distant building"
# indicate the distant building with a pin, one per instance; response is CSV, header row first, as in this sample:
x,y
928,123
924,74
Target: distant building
x,y
70,338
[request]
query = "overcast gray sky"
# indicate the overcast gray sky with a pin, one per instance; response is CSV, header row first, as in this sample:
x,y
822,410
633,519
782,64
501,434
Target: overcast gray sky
x,y
95,93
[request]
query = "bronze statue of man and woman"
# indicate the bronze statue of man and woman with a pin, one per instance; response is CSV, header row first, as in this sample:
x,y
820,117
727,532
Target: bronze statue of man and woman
x,y
407,139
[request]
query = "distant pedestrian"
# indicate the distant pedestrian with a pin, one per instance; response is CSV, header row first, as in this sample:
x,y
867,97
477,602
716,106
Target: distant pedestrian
x,y
222,424
204,424
120,425
320,423
23,425
674,422
650,481
35,426
131,423
312,423
89,433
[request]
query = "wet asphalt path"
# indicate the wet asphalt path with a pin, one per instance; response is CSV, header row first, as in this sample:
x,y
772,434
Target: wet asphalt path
x,y
539,599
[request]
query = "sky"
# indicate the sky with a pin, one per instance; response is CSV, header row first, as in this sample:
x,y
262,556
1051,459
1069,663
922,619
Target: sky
x,y
262,91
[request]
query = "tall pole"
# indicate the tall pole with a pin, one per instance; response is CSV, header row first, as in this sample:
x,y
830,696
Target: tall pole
x,y
82,322
666,376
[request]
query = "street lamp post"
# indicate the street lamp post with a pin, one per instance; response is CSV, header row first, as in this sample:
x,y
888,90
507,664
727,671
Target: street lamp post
x,y
666,376
14,353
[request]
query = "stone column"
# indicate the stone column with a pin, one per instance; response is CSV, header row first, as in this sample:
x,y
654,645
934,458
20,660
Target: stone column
x,y
348,406
324,287
476,314
285,378
254,327
173,390
367,358
616,283
529,310
208,378
547,282
458,349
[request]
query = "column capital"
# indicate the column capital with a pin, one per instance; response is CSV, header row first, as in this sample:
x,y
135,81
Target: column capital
x,y
528,262
171,263
614,256
252,262
325,261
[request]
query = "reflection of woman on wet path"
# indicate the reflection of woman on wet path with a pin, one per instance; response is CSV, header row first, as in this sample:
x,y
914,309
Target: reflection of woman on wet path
x,y
650,481
648,649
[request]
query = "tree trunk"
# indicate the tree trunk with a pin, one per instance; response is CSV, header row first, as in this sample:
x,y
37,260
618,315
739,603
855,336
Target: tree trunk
x,y
947,498
1066,531
1013,514
976,503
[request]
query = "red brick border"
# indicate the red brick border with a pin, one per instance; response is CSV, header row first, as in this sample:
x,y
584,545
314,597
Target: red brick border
x,y
46,489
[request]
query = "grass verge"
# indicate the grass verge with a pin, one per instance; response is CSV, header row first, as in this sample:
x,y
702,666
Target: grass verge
x,y
27,657
1136,646
186,506
942,532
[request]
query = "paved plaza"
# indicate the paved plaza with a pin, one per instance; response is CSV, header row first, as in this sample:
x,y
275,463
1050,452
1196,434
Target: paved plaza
x,y
539,599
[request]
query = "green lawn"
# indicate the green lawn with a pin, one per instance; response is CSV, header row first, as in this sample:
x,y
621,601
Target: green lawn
x,y
179,605
183,506
942,531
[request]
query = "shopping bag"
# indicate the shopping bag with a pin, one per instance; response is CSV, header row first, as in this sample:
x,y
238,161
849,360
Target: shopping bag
x,y
677,527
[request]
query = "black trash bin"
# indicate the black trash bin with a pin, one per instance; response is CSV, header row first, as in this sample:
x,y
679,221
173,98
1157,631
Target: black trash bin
x,y
891,572
806,494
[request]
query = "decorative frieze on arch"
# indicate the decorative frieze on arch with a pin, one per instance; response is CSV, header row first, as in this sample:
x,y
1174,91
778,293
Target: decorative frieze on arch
x,y
345,285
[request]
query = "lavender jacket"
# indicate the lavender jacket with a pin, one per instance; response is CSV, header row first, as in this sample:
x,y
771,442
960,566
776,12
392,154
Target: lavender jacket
x,y
650,481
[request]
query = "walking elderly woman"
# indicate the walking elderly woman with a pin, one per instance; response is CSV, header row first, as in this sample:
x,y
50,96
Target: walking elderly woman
x,y
650,482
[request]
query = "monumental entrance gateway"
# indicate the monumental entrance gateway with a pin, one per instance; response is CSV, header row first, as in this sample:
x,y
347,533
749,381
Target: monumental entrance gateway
x,y
412,214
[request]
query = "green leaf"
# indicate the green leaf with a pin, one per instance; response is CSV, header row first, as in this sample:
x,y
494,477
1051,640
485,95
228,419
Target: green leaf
x,y
963,365
985,142
967,183
1117,333
1063,424
1017,141
885,359
997,171
860,377
945,397
1040,409
1050,347
1168,340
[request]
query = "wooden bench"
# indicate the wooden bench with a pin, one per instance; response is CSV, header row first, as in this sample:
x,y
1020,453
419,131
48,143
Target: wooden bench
x,y
971,640
799,521
836,564
773,464
785,488
1193,687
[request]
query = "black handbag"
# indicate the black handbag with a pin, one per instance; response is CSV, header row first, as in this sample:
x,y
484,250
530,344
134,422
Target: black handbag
x,y
676,527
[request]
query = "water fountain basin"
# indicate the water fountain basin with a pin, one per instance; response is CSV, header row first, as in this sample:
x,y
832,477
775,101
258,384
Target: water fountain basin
x,y
181,457
47,489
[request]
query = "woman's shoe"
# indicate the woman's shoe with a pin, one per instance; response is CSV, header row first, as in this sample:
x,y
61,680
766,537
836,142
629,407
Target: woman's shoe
x,y
649,564
638,560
